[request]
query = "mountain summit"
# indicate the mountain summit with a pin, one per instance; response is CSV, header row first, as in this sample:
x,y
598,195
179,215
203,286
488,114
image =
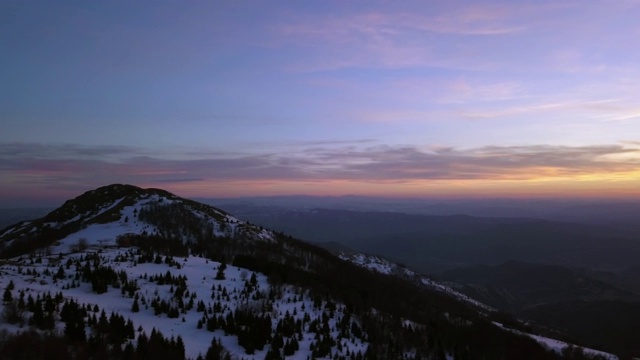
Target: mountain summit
x,y
103,214
131,273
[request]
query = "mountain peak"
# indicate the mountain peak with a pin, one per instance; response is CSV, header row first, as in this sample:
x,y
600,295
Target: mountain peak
x,y
115,210
125,190
95,201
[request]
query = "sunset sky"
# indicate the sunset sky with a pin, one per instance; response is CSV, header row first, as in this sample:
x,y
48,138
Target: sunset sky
x,y
389,98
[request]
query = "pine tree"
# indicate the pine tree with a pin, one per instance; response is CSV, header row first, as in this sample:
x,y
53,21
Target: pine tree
x,y
74,328
220,273
7,297
135,307
60,274
273,354
180,347
215,350
37,318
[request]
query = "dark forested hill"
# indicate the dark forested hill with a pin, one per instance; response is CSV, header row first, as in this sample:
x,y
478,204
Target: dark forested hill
x,y
516,286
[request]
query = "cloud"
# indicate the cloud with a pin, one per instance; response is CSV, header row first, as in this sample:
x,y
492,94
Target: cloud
x,y
560,37
393,39
605,109
491,163
33,165
64,150
465,91
473,20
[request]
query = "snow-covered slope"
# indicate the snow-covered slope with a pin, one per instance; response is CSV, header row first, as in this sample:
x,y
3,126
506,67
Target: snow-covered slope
x,y
384,266
221,296
100,216
91,234
562,347
117,266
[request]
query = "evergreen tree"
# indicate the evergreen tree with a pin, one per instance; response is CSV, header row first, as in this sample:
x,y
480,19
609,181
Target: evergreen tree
x,y
135,307
37,319
7,297
273,354
215,351
180,346
12,313
220,273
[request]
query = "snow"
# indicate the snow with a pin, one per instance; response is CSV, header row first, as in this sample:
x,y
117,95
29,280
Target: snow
x,y
383,266
106,208
104,234
16,228
372,263
200,274
557,345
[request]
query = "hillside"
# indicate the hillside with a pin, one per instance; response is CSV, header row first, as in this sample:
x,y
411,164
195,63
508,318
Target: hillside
x,y
124,272
582,307
516,286
437,243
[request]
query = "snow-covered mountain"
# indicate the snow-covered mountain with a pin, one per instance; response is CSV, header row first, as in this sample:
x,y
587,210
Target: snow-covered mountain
x,y
125,272
100,216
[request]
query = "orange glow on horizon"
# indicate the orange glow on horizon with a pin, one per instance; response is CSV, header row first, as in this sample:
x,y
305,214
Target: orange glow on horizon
x,y
615,186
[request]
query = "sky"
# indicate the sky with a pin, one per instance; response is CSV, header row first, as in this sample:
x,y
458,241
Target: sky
x,y
381,98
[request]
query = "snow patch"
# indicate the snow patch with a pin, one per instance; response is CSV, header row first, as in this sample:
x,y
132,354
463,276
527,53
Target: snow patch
x,y
559,346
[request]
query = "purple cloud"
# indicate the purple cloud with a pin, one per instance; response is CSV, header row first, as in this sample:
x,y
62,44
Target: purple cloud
x,y
36,164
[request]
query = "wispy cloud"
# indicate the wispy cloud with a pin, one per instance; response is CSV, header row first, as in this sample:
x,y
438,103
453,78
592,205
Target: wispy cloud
x,y
473,20
523,162
464,91
394,39
21,150
605,109
392,164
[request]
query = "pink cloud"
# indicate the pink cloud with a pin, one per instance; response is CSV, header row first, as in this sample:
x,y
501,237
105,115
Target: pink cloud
x,y
605,109
391,39
322,168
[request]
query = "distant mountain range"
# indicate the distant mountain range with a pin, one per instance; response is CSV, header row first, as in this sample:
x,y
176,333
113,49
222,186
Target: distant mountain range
x,y
620,214
12,216
434,243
